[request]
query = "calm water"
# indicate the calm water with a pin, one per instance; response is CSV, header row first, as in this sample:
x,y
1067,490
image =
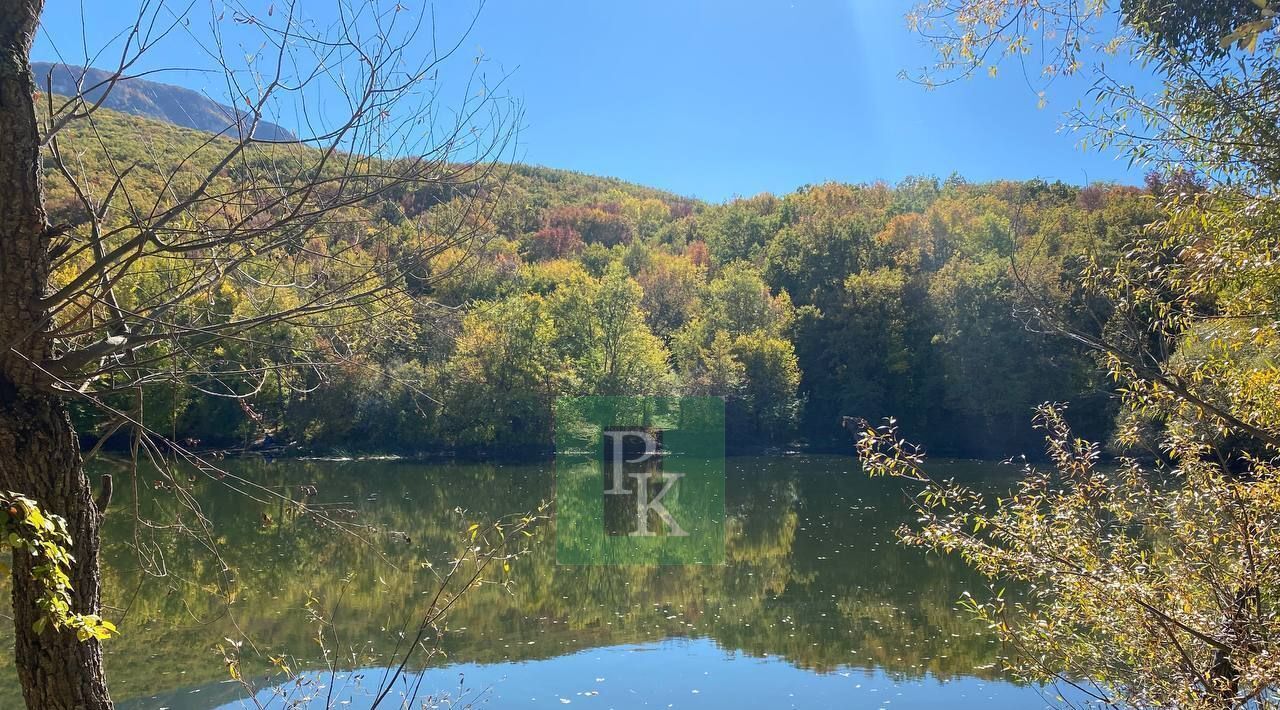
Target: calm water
x,y
816,606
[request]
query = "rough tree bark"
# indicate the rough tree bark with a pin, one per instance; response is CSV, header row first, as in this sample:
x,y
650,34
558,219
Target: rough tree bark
x,y
39,454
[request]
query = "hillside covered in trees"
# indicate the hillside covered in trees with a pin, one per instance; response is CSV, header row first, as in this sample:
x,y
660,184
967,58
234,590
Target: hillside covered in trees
x,y
836,299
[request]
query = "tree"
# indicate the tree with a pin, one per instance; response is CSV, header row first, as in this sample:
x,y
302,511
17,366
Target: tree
x,y
621,355
738,301
671,284
504,374
646,215
598,224
706,362
736,230
1147,584
555,243
770,377
826,238
991,368
162,266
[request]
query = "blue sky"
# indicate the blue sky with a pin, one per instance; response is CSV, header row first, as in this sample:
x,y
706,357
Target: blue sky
x,y
716,98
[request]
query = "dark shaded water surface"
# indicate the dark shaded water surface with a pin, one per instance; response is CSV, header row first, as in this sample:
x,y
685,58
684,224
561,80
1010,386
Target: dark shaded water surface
x,y
816,605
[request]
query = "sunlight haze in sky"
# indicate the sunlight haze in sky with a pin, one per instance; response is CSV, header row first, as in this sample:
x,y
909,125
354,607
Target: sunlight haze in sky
x,y
715,98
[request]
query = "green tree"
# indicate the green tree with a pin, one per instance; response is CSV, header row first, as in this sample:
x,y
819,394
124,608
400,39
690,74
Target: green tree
x,y
739,301
622,356
771,374
1148,585
827,236
739,229
857,354
504,374
672,285
168,272
707,363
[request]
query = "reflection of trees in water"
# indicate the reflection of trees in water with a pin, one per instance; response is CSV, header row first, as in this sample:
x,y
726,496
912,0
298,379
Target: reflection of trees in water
x,y
812,575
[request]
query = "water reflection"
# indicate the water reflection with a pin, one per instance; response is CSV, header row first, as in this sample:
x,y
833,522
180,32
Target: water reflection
x,y
643,676
814,594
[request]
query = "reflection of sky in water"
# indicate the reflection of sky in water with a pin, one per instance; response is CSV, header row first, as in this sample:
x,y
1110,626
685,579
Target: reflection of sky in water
x,y
673,673
814,591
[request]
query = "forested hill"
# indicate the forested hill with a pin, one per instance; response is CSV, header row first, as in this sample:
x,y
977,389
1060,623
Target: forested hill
x,y
863,300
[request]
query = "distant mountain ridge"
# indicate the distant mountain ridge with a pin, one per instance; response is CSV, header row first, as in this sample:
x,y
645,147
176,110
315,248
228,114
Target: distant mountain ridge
x,y
151,99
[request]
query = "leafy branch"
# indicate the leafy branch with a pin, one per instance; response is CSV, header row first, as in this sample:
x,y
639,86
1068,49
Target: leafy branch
x,y
42,535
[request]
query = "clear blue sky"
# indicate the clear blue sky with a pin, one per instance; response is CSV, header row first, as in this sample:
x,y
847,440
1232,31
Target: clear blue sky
x,y
716,98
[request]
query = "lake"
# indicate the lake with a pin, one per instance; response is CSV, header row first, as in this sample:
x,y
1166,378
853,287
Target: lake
x,y
815,606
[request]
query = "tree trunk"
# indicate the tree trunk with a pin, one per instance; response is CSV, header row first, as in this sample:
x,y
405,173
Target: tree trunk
x,y
39,458
39,455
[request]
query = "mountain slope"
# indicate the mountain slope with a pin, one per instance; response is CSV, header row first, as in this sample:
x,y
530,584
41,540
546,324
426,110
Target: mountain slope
x,y
173,104
797,309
